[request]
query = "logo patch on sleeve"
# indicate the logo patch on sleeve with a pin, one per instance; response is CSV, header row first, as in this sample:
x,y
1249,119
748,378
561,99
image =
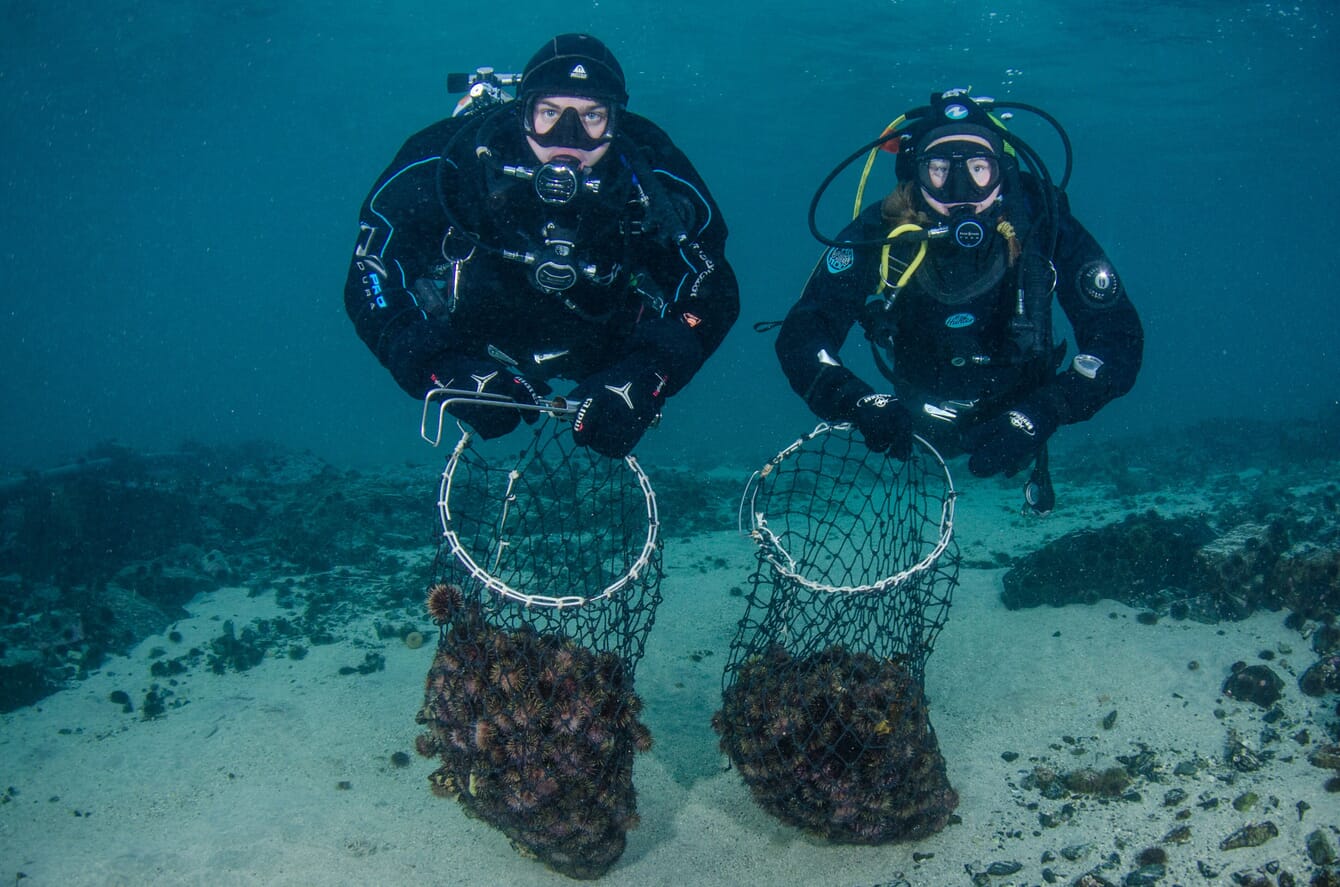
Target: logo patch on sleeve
x,y
840,259
1099,284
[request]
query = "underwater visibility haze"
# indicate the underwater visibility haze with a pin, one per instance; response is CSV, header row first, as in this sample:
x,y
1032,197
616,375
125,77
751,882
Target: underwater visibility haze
x,y
183,183
218,520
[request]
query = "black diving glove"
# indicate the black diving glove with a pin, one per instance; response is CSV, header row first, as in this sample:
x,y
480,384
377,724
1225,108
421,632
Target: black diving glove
x,y
616,406
885,424
1009,442
490,377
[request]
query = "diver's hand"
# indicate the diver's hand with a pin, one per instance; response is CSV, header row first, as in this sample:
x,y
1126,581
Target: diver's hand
x,y
615,407
885,424
1007,443
490,377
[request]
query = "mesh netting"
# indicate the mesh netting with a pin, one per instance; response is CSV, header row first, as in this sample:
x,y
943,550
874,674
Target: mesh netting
x,y
546,588
823,711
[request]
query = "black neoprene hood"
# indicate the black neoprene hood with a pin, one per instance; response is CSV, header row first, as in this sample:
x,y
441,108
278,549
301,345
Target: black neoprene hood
x,y
576,65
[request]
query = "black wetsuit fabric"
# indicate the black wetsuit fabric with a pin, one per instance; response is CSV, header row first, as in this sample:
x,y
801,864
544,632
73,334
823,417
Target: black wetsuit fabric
x,y
666,302
951,336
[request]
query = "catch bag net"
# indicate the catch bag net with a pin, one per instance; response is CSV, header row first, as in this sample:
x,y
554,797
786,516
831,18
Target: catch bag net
x,y
823,712
545,589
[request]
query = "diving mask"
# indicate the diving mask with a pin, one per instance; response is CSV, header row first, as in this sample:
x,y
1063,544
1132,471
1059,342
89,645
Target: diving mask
x,y
959,172
580,130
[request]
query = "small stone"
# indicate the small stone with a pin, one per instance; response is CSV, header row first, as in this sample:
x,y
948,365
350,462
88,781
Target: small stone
x,y
1009,757
998,869
1242,758
1245,801
1173,797
1252,835
1254,683
1179,835
1110,720
1322,677
1327,757
1319,848
1145,876
1075,851
1052,791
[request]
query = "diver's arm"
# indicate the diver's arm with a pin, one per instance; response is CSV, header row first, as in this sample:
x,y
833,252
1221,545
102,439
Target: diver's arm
x,y
812,335
1108,334
700,291
400,233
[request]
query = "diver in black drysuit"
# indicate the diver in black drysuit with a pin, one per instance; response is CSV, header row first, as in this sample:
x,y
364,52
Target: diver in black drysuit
x,y
966,341
478,267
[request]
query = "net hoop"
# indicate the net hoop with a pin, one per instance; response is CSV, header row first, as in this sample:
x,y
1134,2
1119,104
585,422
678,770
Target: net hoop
x,y
754,522
499,587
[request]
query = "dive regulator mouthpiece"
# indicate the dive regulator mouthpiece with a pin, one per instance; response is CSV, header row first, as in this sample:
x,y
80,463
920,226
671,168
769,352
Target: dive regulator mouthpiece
x,y
556,182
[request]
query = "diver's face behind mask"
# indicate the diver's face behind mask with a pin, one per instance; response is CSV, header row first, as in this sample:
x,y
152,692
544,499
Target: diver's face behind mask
x,y
956,171
569,126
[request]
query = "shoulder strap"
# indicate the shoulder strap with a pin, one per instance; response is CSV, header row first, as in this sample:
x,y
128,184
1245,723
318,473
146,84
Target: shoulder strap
x,y
660,218
1031,323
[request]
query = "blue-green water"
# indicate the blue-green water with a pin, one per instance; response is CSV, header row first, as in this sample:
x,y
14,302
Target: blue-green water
x,y
181,184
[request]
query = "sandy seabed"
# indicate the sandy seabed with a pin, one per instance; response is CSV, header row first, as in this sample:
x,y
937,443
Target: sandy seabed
x,y
283,774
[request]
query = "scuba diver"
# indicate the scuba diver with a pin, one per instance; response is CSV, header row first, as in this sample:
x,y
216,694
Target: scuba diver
x,y
551,235
951,277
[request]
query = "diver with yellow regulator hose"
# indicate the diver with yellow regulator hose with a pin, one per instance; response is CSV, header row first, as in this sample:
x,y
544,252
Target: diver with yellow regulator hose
x,y
952,276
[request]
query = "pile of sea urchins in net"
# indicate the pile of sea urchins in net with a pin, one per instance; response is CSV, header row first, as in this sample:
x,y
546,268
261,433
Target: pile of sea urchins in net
x,y
536,735
838,744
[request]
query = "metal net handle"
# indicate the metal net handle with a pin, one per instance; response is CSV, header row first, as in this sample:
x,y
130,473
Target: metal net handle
x,y
442,398
772,550
501,588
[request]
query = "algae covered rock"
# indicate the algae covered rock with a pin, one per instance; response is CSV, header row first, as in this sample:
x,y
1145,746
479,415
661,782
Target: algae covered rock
x,y
1145,561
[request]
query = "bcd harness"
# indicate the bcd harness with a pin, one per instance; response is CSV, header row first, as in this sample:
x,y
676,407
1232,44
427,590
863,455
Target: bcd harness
x,y
1029,341
555,261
